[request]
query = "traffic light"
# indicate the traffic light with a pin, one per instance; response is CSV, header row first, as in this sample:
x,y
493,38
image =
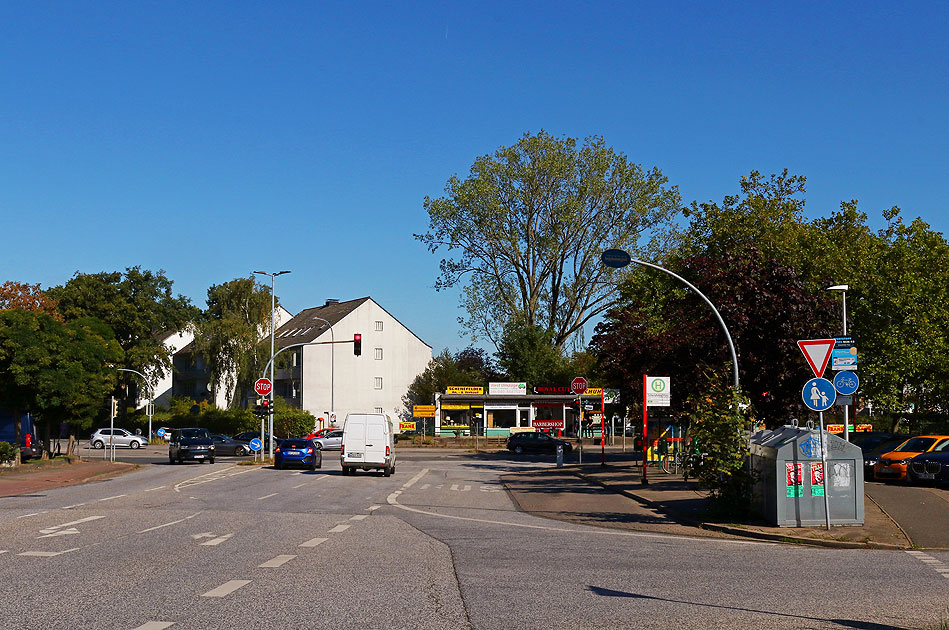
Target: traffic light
x,y
357,344
265,407
258,410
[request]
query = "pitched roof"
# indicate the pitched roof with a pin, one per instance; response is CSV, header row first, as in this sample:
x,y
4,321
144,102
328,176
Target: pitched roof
x,y
308,324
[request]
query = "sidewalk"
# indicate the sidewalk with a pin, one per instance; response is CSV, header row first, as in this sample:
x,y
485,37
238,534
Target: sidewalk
x,y
40,476
669,504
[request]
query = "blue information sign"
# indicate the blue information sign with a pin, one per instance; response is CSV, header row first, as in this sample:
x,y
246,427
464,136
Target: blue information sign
x,y
819,394
161,433
256,444
846,383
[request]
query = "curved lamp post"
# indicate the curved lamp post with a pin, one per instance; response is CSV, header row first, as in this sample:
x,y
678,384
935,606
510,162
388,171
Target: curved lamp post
x,y
332,368
151,398
273,306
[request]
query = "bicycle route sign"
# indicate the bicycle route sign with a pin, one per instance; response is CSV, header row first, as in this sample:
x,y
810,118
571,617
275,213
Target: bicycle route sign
x,y
846,382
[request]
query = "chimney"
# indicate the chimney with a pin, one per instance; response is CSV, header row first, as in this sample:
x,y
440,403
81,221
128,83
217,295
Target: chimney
x,y
331,301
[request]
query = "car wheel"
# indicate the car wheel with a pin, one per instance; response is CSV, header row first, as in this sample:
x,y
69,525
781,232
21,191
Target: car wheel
x,y
318,446
240,450
135,444
386,472
518,449
98,444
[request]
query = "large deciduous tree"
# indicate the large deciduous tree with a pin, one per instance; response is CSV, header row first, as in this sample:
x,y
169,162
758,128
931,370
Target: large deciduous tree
x,y
471,366
28,297
229,336
525,230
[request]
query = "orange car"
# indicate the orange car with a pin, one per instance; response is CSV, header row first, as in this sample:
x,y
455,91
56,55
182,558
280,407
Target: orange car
x,y
892,465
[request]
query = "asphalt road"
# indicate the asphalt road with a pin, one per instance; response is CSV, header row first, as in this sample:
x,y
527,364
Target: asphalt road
x,y
438,545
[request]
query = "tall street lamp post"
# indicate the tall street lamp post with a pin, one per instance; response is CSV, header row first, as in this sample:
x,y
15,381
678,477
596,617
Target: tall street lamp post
x,y
151,398
843,291
273,306
332,370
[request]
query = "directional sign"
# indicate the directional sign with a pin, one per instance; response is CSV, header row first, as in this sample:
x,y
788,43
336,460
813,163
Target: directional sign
x,y
161,433
578,386
256,444
846,383
817,352
263,386
819,394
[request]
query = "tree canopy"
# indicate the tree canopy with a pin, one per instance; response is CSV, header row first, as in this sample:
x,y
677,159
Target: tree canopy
x,y
525,229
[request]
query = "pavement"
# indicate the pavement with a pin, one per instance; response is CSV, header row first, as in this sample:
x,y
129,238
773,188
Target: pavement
x,y
607,496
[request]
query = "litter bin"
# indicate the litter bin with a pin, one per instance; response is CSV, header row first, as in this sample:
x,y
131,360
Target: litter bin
x,y
790,480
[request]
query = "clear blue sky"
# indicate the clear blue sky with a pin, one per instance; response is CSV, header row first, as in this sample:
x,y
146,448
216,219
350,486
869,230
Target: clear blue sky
x,y
210,139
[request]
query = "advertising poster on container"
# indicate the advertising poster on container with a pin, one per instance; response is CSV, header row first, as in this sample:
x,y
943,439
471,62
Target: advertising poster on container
x,y
817,479
795,479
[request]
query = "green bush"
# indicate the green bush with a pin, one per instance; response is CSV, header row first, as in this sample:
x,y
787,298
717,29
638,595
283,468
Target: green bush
x,y
7,452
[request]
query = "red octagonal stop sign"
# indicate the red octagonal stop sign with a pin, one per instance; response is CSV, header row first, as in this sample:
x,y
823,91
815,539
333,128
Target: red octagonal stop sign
x,y
579,385
263,386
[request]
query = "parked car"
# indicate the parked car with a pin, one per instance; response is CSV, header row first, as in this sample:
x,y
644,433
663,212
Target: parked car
x,y
118,437
534,442
873,444
192,444
892,465
224,445
368,443
332,441
321,433
30,445
297,452
931,467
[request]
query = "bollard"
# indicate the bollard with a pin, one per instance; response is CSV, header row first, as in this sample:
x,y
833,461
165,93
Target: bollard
x,y
560,456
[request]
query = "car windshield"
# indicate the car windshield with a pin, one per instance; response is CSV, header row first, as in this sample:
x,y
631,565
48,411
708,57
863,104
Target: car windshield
x,y
942,447
916,445
194,434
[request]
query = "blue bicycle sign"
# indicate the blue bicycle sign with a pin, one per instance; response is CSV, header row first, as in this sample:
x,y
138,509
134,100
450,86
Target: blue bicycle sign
x,y
846,383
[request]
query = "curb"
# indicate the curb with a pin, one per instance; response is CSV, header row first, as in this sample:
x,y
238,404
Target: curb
x,y
737,531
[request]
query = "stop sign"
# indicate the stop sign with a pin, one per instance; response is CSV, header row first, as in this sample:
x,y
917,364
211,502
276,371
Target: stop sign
x,y
263,386
579,385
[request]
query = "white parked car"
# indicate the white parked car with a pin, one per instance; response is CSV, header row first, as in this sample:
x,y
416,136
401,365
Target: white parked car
x,y
118,437
331,441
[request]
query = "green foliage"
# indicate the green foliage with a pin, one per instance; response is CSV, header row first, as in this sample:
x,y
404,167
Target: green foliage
x,y
290,421
224,421
717,429
528,225
8,452
230,333
527,353
469,367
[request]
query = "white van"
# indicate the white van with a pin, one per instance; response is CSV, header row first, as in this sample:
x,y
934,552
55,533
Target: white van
x,y
368,443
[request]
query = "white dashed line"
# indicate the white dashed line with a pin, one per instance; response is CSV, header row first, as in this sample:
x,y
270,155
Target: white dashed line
x,y
226,589
155,625
118,496
152,490
180,520
278,561
267,496
46,554
358,517
217,541
3,550
33,514
373,508
75,505
935,564
313,542
338,529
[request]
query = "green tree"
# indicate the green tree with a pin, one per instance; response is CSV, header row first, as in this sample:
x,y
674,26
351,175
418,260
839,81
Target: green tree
x,y
229,336
526,228
471,367
530,354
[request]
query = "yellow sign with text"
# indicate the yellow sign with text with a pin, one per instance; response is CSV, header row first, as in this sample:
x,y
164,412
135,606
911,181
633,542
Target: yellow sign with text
x,y
464,390
406,426
455,406
423,411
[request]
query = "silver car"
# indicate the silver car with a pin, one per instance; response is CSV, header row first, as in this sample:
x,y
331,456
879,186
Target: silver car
x,y
332,441
119,437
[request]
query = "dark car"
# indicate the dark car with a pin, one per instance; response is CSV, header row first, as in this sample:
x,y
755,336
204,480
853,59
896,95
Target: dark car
x,y
224,445
931,467
190,444
297,452
533,442
873,444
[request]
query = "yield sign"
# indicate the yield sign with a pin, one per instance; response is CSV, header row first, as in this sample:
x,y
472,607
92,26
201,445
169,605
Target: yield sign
x,y
817,352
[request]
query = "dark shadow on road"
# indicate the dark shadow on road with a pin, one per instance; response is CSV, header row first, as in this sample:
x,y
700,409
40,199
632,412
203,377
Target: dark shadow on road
x,y
844,623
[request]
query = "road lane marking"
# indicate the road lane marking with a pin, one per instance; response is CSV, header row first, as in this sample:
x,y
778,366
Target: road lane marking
x,y
217,541
358,517
321,478
208,477
75,505
55,528
338,529
393,500
46,554
313,542
373,508
226,589
935,564
180,520
203,535
155,625
152,490
33,514
278,561
267,496
4,550
118,496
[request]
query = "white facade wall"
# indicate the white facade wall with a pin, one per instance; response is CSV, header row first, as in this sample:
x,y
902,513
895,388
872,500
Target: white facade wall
x,y
356,388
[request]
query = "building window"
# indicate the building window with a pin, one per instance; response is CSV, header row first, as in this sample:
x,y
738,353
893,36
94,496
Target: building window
x,y
378,354
379,325
378,382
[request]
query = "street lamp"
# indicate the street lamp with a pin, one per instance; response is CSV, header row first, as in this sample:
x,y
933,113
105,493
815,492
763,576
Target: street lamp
x,y
843,291
273,306
151,398
332,369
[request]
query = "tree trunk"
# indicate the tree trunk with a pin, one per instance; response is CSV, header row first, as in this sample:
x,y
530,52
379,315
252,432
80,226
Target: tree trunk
x,y
18,432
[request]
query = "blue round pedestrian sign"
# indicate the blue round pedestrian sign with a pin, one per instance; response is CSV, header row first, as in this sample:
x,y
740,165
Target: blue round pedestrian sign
x,y
819,394
256,444
846,382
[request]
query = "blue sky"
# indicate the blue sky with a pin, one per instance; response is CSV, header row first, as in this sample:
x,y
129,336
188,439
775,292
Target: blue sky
x,y
211,139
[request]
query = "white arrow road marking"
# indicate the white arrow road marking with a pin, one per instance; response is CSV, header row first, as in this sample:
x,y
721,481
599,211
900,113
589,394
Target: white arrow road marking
x,y
218,540
226,589
276,562
56,528
203,535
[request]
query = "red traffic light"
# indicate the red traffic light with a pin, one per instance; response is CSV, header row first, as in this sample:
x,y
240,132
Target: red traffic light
x,y
357,344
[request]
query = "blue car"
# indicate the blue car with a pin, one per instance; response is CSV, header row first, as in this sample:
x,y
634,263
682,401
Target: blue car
x,y
297,452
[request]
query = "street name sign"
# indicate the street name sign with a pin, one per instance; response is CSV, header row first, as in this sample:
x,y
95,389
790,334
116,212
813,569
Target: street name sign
x,y
817,352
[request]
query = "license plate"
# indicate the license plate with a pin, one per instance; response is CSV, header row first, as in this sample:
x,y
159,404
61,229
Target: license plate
x,y
886,469
926,475
199,456
293,452
353,454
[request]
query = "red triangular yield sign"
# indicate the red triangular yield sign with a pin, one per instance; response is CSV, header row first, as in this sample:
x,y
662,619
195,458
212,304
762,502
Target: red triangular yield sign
x,y
817,352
